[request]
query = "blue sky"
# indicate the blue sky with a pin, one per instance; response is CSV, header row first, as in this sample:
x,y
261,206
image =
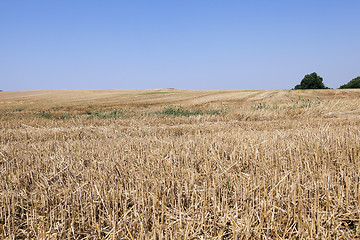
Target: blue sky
x,y
188,44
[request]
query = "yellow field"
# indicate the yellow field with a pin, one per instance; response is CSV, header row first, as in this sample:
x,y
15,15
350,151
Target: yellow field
x,y
180,164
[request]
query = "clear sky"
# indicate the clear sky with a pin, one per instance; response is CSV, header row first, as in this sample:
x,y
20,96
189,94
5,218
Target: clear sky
x,y
188,44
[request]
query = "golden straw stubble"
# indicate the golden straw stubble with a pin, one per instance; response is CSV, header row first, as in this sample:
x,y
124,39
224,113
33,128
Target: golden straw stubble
x,y
180,164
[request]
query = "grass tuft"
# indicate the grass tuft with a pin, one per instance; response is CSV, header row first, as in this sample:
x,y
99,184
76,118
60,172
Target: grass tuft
x,y
115,114
43,114
179,111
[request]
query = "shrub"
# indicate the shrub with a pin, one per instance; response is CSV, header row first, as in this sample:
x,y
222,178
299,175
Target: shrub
x,y
311,81
355,83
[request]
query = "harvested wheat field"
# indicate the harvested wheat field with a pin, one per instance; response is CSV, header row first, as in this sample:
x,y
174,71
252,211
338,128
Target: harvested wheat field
x,y
180,164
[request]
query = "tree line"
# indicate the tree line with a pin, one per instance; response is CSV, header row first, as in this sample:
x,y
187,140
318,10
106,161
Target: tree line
x,y
313,81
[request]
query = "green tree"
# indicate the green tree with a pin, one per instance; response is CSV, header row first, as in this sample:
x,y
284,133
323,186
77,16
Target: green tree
x,y
311,81
355,83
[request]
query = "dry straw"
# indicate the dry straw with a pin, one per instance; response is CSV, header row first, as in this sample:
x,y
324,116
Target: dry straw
x,y
267,165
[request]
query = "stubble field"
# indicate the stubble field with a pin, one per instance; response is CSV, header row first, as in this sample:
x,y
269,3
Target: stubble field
x,y
179,164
